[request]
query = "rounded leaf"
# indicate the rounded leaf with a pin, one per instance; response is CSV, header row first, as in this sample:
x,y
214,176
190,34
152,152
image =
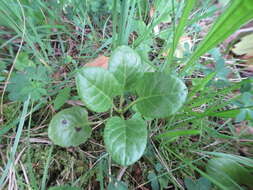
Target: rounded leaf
x,y
97,87
70,127
160,95
125,140
126,66
229,172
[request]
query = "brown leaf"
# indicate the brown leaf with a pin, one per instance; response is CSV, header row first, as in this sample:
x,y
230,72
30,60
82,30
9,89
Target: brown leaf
x,y
152,12
59,73
101,61
245,130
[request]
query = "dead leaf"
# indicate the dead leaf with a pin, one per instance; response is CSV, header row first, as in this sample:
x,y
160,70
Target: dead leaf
x,y
59,73
245,130
75,103
184,40
101,61
152,12
245,46
179,52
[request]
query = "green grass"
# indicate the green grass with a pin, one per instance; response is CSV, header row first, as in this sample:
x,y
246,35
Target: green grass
x,y
59,38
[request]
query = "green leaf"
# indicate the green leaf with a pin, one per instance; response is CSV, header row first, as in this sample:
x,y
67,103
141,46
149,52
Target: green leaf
x,y
32,81
61,98
236,14
160,95
163,6
154,181
125,140
97,87
240,159
126,66
2,78
2,66
23,61
202,84
70,127
216,134
229,172
64,187
18,83
190,184
119,185
201,184
241,116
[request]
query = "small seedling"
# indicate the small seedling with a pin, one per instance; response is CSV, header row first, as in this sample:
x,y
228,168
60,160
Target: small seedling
x,y
159,95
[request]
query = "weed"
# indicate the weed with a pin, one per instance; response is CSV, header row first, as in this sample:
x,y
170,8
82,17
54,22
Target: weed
x,y
171,101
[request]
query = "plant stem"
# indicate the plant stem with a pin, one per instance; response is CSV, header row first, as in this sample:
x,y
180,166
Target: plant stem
x,y
130,105
121,173
121,101
118,110
96,122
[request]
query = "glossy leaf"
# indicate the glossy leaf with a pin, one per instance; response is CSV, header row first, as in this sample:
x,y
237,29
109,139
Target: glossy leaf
x,y
125,140
97,87
70,127
236,14
126,66
229,173
160,95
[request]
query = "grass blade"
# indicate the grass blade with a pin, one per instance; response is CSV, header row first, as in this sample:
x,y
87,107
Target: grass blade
x,y
243,160
236,14
30,167
15,145
171,134
179,31
45,173
123,21
115,23
221,186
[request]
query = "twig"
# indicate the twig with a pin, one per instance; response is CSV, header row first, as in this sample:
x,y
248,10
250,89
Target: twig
x,y
25,175
121,173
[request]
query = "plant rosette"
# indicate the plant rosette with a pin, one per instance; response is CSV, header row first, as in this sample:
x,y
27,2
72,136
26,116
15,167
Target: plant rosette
x,y
159,95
